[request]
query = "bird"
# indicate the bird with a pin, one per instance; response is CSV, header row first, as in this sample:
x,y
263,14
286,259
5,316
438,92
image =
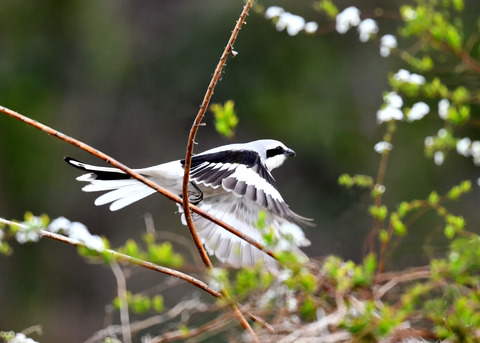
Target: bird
x,y
231,182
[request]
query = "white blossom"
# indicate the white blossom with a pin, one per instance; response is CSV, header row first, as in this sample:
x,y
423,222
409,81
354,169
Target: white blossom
x,y
366,29
405,76
21,338
443,106
417,79
311,27
273,11
438,158
58,224
348,18
291,302
409,13
29,231
475,152
429,141
463,146
393,99
79,232
389,113
293,234
380,188
25,235
292,22
383,146
387,43
442,133
402,75
418,111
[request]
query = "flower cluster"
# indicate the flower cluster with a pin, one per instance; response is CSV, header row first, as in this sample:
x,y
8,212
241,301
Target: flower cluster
x,y
367,29
28,230
383,146
466,147
348,18
418,111
392,108
291,22
387,44
443,106
433,143
77,231
20,338
405,76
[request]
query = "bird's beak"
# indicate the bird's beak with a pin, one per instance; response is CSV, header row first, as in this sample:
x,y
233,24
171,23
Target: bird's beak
x,y
289,152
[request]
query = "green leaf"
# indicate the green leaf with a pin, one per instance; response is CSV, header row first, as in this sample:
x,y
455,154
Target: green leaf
x,y
163,254
225,118
326,6
157,303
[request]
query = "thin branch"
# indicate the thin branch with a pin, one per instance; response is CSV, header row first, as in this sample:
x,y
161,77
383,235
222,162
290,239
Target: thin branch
x,y
125,258
188,305
149,265
195,126
188,160
215,324
122,299
397,278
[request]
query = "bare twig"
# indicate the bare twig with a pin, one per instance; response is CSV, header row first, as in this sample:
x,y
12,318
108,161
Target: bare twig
x,y
188,305
196,124
188,159
122,257
215,324
395,278
378,199
122,299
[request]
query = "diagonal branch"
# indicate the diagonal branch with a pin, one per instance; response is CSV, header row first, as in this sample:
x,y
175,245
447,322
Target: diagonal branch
x,y
148,265
124,258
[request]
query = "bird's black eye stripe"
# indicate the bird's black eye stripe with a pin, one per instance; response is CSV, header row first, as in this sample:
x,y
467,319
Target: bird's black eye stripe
x,y
274,152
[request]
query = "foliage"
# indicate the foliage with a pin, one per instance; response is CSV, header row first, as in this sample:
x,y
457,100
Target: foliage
x,y
360,301
226,119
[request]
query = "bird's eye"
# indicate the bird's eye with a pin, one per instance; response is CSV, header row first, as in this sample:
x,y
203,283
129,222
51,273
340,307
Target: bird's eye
x,y
274,152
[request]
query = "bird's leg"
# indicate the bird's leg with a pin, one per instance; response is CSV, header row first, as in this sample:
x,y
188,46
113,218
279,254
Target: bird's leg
x,y
196,196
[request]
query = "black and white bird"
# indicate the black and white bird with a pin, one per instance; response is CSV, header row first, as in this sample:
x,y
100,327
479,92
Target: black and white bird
x,y
232,182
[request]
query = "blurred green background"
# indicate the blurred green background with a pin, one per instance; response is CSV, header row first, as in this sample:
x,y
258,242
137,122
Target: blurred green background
x,y
128,76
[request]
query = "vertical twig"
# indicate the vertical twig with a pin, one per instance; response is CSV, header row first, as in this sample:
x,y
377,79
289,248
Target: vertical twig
x,y
370,241
189,153
122,300
197,122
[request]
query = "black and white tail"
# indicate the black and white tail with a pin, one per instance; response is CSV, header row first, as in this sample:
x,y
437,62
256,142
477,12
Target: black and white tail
x,y
123,190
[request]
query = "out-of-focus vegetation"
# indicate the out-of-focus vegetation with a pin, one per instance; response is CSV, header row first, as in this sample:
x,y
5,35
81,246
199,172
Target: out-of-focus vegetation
x,y
387,146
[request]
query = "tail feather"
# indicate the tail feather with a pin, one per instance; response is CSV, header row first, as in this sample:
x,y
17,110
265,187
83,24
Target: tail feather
x,y
130,199
97,173
100,185
123,190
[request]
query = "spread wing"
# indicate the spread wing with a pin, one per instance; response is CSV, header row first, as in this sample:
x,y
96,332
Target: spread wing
x,y
243,215
242,173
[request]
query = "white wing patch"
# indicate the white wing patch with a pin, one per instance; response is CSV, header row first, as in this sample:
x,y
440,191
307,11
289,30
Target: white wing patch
x,y
248,183
243,216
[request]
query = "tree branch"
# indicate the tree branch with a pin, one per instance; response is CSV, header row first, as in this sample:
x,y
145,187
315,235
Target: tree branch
x,y
188,160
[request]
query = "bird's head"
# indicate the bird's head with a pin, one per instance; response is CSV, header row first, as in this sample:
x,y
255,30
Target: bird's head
x,y
273,153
